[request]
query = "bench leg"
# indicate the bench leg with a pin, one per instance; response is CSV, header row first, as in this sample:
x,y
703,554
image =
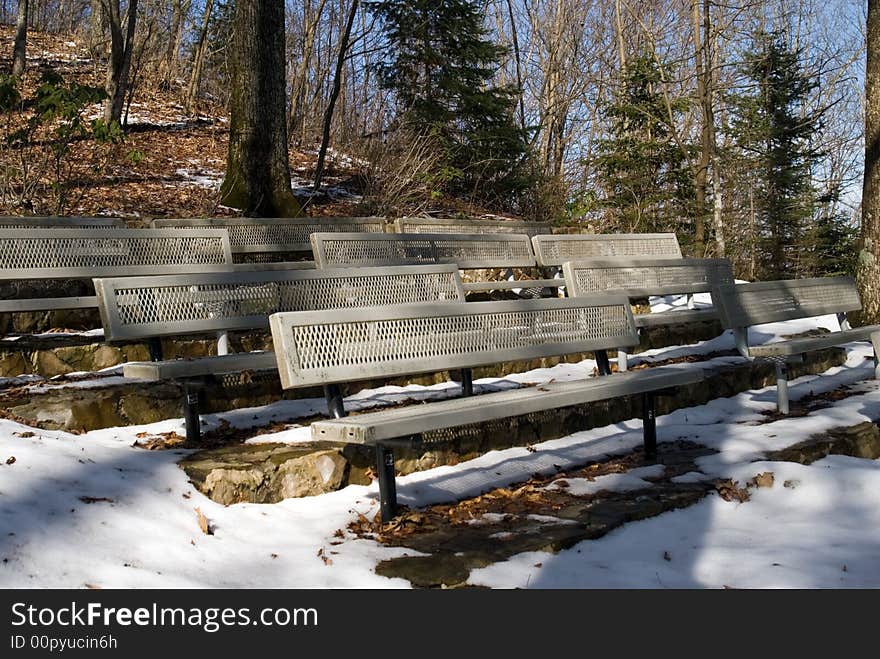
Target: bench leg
x,y
875,342
622,360
602,363
191,400
335,403
782,387
154,345
387,484
222,343
467,382
649,425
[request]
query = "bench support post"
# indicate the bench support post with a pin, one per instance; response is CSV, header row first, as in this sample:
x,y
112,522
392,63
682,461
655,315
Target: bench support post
x,y
467,382
154,345
222,343
649,425
602,363
622,364
782,387
191,399
875,343
335,403
387,484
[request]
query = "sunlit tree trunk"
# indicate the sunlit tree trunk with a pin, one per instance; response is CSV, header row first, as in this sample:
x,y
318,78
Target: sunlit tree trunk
x,y
257,170
869,255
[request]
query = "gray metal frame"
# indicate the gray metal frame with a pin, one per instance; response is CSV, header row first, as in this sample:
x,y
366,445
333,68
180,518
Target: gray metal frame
x,y
469,225
842,297
239,225
47,244
556,249
697,275
419,248
108,294
744,305
439,357
701,275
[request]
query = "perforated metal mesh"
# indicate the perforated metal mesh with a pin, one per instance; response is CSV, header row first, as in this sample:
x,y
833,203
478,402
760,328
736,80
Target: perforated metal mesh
x,y
767,302
444,225
467,251
557,249
417,343
150,305
84,249
687,276
277,235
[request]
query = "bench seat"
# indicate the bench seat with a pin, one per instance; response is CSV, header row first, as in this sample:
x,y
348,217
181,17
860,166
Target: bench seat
x,y
800,345
675,317
182,369
386,425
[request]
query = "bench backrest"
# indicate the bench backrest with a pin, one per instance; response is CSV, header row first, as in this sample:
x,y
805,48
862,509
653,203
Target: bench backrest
x,y
349,345
452,225
139,307
743,305
465,250
45,221
644,277
254,236
87,253
556,249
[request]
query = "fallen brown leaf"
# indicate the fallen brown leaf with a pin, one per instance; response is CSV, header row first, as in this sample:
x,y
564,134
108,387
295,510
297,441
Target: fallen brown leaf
x,y
204,524
763,480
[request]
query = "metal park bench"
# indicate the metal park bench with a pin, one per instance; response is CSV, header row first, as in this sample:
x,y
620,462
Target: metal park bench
x,y
641,278
468,251
741,306
450,225
275,239
554,250
330,348
80,254
51,222
177,305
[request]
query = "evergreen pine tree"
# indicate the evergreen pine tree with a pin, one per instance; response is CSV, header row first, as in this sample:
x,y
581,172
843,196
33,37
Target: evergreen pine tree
x,y
774,131
440,67
641,170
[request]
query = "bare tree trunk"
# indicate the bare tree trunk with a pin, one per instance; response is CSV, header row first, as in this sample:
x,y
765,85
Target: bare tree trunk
x,y
516,55
702,170
18,50
296,119
120,58
172,50
621,48
869,255
192,89
334,93
257,169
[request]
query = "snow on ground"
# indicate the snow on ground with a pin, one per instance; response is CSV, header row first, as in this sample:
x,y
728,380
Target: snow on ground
x,y
78,510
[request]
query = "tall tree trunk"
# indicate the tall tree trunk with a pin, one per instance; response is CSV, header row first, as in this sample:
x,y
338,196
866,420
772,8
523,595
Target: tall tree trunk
x,y
299,85
869,255
192,89
18,50
120,58
518,63
334,93
701,177
257,169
